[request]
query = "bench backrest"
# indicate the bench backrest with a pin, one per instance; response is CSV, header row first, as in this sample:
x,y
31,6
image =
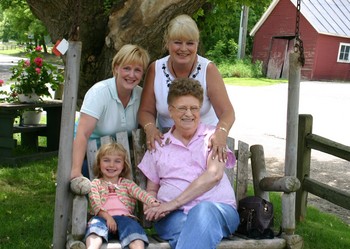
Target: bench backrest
x,y
136,148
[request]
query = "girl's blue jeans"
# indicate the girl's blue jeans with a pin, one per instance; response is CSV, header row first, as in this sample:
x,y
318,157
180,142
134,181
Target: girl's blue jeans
x,y
128,230
203,227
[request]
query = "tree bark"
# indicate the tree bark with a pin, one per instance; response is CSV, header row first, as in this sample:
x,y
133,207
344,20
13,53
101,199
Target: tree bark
x,y
103,31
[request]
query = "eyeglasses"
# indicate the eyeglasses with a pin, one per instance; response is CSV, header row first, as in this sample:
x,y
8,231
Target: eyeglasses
x,y
183,109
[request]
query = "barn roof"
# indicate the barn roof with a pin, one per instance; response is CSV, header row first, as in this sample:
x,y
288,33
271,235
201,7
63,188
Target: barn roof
x,y
329,17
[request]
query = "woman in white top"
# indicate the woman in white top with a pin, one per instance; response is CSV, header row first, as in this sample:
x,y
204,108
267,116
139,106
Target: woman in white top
x,y
111,105
181,40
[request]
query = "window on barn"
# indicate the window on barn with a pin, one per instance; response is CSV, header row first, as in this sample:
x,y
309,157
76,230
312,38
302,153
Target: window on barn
x,y
344,53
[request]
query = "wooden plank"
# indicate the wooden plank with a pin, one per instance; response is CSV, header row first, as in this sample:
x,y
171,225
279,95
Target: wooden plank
x,y
233,243
90,156
28,128
258,170
231,172
139,149
80,205
63,199
303,165
285,184
106,140
243,156
329,193
276,58
328,146
8,144
122,138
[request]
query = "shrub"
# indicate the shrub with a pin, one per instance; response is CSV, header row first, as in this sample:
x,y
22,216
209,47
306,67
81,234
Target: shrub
x,y
241,69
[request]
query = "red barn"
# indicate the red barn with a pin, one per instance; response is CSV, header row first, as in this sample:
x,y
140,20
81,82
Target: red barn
x,y
324,28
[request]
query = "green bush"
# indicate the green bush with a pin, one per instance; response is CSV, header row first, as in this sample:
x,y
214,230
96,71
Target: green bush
x,y
223,53
241,69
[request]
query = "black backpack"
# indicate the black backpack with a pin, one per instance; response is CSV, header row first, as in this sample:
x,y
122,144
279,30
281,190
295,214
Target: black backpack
x,y
256,218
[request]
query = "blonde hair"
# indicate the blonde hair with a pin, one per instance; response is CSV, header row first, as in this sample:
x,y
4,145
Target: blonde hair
x,y
112,149
181,27
131,54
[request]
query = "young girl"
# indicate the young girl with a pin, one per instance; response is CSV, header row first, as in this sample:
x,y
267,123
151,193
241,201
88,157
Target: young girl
x,y
112,198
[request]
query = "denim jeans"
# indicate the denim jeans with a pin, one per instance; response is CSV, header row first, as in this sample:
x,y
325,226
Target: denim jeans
x,y
128,230
203,227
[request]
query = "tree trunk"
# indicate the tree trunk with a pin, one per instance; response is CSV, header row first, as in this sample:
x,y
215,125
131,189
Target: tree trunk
x,y
103,31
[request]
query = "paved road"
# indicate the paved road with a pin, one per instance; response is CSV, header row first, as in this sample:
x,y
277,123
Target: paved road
x,y
261,113
261,119
5,63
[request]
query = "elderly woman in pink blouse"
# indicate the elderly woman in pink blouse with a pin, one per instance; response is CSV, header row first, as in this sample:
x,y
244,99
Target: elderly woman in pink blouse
x,y
198,203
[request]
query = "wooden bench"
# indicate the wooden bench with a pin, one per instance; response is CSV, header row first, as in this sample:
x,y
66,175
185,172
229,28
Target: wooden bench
x,y
238,177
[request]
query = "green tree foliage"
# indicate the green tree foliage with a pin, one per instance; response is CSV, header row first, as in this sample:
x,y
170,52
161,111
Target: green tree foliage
x,y
18,23
219,22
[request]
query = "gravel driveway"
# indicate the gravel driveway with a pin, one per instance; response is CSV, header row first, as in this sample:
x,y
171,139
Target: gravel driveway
x,y
261,114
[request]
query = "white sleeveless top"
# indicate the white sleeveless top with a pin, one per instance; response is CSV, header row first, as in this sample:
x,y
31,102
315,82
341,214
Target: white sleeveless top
x,y
163,79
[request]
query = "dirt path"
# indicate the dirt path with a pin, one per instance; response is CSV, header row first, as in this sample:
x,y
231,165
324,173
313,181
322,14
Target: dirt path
x,y
261,114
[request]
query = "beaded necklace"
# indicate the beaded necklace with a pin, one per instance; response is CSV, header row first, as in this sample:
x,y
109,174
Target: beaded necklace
x,y
166,72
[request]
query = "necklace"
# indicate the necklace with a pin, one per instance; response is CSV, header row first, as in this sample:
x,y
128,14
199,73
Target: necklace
x,y
167,73
172,67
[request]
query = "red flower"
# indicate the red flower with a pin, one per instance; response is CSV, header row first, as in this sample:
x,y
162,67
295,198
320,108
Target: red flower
x,y
38,61
27,63
38,48
38,70
1,82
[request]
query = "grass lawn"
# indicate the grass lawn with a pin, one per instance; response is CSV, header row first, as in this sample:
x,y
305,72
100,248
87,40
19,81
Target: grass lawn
x,y
253,81
27,201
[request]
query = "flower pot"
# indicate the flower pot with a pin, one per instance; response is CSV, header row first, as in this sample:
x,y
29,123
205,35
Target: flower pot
x,y
28,98
31,117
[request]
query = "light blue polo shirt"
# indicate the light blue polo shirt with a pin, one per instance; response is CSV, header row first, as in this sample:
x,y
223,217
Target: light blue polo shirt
x,y
102,102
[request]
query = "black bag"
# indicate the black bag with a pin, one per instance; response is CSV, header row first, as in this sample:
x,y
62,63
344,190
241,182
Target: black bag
x,y
256,218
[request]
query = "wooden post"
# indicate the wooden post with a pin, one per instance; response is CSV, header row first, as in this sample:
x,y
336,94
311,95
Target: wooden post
x,y
288,199
242,40
303,165
258,170
63,196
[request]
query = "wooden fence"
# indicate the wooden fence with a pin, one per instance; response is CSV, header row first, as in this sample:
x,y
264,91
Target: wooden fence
x,y
8,47
306,142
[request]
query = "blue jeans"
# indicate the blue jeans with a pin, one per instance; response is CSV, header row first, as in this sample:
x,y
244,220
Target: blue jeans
x,y
128,230
203,227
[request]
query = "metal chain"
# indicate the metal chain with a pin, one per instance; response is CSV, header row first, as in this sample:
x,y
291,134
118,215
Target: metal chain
x,y
299,43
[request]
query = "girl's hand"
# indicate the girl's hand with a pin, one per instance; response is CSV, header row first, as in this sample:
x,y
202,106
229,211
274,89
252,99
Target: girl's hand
x,y
155,203
111,224
152,135
156,213
217,144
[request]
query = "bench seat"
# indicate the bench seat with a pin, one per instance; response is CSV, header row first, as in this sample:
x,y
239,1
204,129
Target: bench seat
x,y
233,243
238,177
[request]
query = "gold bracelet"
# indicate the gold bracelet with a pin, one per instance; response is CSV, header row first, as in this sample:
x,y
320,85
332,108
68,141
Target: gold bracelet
x,y
148,124
222,128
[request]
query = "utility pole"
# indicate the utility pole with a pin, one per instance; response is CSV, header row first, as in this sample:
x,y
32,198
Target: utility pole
x,y
243,32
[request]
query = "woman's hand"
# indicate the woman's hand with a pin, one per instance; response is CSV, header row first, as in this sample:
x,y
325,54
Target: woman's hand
x,y
156,213
217,144
155,203
152,135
